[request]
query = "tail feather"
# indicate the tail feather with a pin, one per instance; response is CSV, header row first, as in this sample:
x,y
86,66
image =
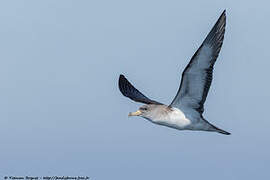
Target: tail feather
x,y
216,129
221,131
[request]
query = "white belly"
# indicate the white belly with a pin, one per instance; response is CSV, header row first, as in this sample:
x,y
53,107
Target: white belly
x,y
175,119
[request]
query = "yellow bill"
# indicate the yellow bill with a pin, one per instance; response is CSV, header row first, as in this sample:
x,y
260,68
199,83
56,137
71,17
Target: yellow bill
x,y
137,113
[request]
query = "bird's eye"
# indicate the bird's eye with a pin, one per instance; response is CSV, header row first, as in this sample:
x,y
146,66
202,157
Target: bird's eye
x,y
144,108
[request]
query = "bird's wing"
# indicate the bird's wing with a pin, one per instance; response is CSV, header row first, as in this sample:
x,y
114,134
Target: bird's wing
x,y
128,90
197,76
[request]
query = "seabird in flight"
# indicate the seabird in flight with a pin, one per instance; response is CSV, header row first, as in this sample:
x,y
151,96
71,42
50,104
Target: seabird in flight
x,y
185,111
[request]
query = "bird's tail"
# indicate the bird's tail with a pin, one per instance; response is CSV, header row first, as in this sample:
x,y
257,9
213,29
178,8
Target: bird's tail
x,y
221,131
216,129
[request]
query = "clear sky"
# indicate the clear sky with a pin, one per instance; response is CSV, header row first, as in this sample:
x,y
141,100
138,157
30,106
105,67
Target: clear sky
x,y
61,111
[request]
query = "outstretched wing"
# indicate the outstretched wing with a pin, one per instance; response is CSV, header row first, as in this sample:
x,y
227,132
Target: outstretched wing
x,y
197,76
131,92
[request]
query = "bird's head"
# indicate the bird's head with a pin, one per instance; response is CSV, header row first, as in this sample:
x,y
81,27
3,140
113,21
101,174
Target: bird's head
x,y
149,111
143,111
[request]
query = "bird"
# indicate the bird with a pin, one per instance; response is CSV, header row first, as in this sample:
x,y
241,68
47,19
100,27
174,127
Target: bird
x,y
186,110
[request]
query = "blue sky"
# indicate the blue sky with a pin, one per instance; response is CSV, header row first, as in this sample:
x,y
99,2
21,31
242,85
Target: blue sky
x,y
61,111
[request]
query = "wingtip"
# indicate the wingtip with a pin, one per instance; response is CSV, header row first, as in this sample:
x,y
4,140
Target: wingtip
x,y
121,78
223,14
123,84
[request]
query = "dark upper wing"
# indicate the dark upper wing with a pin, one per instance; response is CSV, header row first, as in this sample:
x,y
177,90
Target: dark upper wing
x,y
197,76
131,92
